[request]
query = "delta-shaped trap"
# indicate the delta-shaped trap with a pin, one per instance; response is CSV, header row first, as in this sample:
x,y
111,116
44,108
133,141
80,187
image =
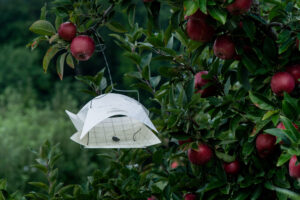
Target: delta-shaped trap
x,y
113,121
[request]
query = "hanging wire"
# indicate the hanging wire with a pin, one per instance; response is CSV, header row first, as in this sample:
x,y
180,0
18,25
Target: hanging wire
x,y
102,48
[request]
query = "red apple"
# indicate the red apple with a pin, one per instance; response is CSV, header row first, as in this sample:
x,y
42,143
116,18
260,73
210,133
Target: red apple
x,y
241,24
67,31
282,82
82,47
197,28
190,196
224,48
152,198
201,82
294,70
174,165
239,6
232,168
294,169
181,142
200,156
265,144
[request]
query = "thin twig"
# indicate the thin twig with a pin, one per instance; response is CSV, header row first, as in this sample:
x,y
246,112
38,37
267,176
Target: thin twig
x,y
185,66
101,21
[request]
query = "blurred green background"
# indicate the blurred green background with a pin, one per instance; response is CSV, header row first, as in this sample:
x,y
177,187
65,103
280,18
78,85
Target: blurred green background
x,y
32,102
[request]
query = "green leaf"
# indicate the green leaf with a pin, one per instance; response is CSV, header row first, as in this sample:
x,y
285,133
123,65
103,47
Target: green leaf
x,y
58,21
60,65
202,6
42,27
212,184
243,77
280,134
248,148
285,45
290,128
288,110
225,157
284,157
70,61
146,72
134,57
293,102
249,64
43,12
40,167
181,36
3,184
116,27
269,114
39,185
65,188
146,60
155,81
189,89
249,28
287,192
51,52
218,14
190,7
256,194
131,14
261,101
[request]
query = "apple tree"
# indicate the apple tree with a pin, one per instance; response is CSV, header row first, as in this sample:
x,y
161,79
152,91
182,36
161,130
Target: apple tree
x,y
222,78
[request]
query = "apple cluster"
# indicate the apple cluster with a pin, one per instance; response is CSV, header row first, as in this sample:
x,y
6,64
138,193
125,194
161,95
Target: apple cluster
x,y
82,46
199,29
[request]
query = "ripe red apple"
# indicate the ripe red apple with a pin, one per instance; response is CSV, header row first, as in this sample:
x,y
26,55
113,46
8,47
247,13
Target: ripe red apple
x,y
197,28
239,6
294,70
265,144
174,165
294,169
232,168
200,156
181,142
152,198
82,47
282,82
224,48
67,31
189,197
241,24
201,82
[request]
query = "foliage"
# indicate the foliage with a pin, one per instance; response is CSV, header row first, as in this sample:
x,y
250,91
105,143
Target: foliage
x,y
25,123
228,122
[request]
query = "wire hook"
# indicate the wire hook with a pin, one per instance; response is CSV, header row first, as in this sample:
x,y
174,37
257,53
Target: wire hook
x,y
102,49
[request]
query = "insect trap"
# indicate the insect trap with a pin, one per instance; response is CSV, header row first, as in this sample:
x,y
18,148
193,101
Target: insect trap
x,y
113,121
